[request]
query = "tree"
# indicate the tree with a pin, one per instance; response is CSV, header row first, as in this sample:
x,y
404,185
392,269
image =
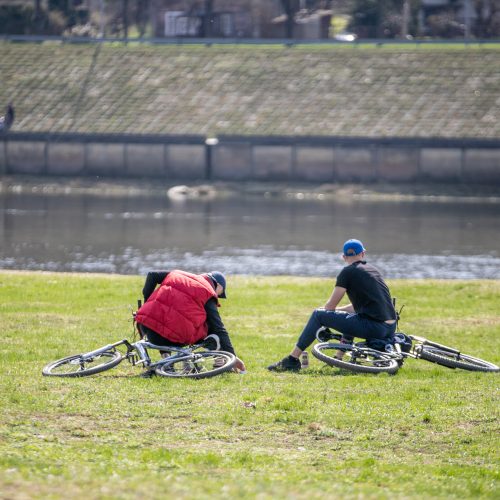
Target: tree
x,y
290,7
382,18
487,18
208,18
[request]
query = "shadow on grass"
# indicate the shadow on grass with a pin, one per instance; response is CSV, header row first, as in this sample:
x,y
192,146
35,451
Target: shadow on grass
x,y
331,372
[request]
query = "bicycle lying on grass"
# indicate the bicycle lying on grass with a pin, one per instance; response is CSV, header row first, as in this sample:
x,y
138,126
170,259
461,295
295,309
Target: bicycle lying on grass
x,y
180,362
382,357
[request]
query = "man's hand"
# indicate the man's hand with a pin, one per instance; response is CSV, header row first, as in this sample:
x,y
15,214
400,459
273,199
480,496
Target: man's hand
x,y
239,367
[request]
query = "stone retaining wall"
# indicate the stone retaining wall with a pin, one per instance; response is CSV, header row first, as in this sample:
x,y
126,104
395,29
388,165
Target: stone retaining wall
x,y
292,159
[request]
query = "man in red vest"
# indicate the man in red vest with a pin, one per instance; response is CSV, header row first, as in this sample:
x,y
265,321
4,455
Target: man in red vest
x,y
183,309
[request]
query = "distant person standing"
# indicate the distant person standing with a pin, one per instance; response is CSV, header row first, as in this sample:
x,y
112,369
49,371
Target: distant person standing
x,y
7,120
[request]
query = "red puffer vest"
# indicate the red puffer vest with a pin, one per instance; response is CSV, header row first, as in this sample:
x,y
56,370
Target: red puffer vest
x,y
175,310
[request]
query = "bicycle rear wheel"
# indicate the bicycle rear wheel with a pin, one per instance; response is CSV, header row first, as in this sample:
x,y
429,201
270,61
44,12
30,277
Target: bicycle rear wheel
x,y
453,359
78,366
356,359
198,365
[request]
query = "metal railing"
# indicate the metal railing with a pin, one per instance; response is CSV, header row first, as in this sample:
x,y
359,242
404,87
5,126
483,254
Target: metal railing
x,y
251,41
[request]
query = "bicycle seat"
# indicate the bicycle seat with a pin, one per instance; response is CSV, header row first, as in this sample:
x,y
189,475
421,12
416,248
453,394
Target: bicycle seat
x,y
211,342
404,341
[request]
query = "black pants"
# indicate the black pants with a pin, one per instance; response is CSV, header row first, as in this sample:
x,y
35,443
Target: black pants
x,y
156,338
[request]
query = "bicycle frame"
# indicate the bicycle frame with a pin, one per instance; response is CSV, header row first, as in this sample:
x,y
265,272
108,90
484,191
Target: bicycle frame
x,y
423,341
141,348
137,352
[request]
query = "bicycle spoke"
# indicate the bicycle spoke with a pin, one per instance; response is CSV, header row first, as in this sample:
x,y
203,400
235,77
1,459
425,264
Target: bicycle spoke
x,y
198,365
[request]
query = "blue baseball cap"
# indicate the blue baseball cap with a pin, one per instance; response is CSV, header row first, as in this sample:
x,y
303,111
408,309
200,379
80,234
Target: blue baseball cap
x,y
353,247
221,280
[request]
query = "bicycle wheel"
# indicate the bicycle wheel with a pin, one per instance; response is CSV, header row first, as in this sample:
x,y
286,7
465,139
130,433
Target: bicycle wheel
x,y
452,359
77,366
356,359
198,365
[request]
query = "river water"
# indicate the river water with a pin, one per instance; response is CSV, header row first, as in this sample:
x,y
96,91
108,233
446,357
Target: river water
x,y
247,235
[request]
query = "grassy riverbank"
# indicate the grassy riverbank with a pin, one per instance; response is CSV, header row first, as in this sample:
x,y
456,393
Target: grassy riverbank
x,y
433,90
428,432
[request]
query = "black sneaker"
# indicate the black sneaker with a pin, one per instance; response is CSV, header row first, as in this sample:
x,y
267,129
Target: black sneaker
x,y
147,374
286,364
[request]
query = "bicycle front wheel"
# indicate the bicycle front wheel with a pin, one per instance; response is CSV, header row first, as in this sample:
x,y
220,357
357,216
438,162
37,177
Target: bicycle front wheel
x,y
356,359
453,359
78,366
198,365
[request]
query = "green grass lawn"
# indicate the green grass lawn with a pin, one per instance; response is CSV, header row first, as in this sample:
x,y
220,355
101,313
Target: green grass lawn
x,y
427,432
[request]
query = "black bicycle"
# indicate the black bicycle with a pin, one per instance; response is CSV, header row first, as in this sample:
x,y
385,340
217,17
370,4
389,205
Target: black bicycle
x,y
383,357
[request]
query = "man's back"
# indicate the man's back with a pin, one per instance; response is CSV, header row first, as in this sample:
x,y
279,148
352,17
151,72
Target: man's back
x,y
367,291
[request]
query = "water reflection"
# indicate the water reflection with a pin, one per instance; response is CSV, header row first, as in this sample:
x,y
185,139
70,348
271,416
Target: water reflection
x,y
249,235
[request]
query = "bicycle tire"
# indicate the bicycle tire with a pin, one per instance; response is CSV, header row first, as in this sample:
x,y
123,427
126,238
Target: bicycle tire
x,y
374,361
82,368
453,360
197,365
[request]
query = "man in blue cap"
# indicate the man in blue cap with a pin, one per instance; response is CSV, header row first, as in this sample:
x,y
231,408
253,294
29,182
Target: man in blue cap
x,y
369,315
181,308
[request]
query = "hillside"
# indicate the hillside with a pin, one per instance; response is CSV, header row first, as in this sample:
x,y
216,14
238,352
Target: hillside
x,y
435,91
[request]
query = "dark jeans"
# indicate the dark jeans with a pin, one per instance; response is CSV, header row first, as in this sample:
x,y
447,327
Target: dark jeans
x,y
348,324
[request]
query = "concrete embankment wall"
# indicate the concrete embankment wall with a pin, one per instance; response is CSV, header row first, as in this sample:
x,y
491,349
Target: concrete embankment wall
x,y
251,158
319,113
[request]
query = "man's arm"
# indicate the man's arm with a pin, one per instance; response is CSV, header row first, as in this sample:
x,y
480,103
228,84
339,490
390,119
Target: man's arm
x,y
152,279
335,298
216,326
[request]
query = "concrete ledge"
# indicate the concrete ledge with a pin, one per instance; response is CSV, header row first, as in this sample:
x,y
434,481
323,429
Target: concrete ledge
x,y
232,162
441,164
26,157
253,158
355,164
314,164
145,160
106,159
186,161
481,166
272,162
65,158
398,164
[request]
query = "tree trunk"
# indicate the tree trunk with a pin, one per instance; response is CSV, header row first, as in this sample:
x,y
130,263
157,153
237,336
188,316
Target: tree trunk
x,y
406,19
380,18
289,11
37,16
207,20
125,19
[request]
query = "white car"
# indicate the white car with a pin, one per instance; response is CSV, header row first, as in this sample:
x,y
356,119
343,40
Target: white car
x,y
345,37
